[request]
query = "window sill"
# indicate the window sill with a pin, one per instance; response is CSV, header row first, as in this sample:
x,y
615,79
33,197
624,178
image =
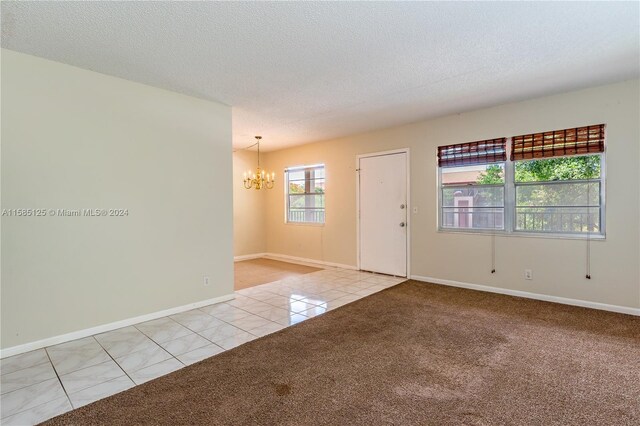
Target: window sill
x,y
592,237
304,224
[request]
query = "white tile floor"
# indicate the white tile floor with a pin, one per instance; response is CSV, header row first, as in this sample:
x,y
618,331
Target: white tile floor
x,y
41,384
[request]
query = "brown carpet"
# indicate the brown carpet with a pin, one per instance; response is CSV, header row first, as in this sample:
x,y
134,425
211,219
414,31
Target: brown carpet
x,y
415,354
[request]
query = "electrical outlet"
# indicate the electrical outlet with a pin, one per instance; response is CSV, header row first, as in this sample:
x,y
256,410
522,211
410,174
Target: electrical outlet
x,y
528,274
206,281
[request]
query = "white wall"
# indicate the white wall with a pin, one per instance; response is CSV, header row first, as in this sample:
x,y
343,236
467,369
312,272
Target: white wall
x,y
74,139
558,264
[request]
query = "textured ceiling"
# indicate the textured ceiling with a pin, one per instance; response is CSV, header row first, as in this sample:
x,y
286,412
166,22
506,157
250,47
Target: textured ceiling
x,y
301,72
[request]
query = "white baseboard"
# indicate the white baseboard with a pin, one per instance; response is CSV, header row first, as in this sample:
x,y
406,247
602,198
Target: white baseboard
x,y
307,262
294,259
536,296
62,338
248,257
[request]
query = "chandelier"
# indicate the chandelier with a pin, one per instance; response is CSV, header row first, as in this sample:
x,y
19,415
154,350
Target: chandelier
x,y
259,179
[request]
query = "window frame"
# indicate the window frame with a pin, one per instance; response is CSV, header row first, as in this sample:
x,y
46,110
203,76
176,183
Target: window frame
x,y
287,194
510,205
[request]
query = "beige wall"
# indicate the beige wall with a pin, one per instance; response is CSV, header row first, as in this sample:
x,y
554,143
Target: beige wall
x,y
558,264
249,233
74,139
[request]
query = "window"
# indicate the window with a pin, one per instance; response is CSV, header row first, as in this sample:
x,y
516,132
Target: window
x,y
553,184
558,181
305,188
472,185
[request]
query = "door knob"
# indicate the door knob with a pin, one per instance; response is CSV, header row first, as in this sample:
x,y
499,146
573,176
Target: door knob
x,y
402,224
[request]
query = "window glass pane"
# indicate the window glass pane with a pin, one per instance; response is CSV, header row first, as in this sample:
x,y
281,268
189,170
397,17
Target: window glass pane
x,y
562,207
318,173
558,194
296,174
306,201
562,168
558,219
477,196
296,187
464,217
316,186
479,175
473,197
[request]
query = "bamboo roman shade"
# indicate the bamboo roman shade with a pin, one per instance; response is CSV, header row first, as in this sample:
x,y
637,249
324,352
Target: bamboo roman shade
x,y
469,153
580,140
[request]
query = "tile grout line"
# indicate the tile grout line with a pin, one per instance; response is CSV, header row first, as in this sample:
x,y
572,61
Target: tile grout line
x,y
55,370
39,405
95,365
160,344
192,332
116,362
101,383
258,315
251,313
151,365
195,332
33,384
22,369
135,352
36,383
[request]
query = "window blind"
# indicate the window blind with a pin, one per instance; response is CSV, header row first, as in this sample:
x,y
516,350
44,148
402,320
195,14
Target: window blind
x,y
558,143
469,153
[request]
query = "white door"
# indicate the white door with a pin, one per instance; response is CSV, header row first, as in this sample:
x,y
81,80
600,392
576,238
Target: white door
x,y
383,213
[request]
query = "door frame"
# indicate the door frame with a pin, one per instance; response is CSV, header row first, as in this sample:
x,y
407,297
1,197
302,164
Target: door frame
x,y
408,207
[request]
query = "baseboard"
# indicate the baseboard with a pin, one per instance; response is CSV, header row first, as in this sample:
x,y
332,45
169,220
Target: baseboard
x,y
63,338
294,259
248,257
536,296
307,262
